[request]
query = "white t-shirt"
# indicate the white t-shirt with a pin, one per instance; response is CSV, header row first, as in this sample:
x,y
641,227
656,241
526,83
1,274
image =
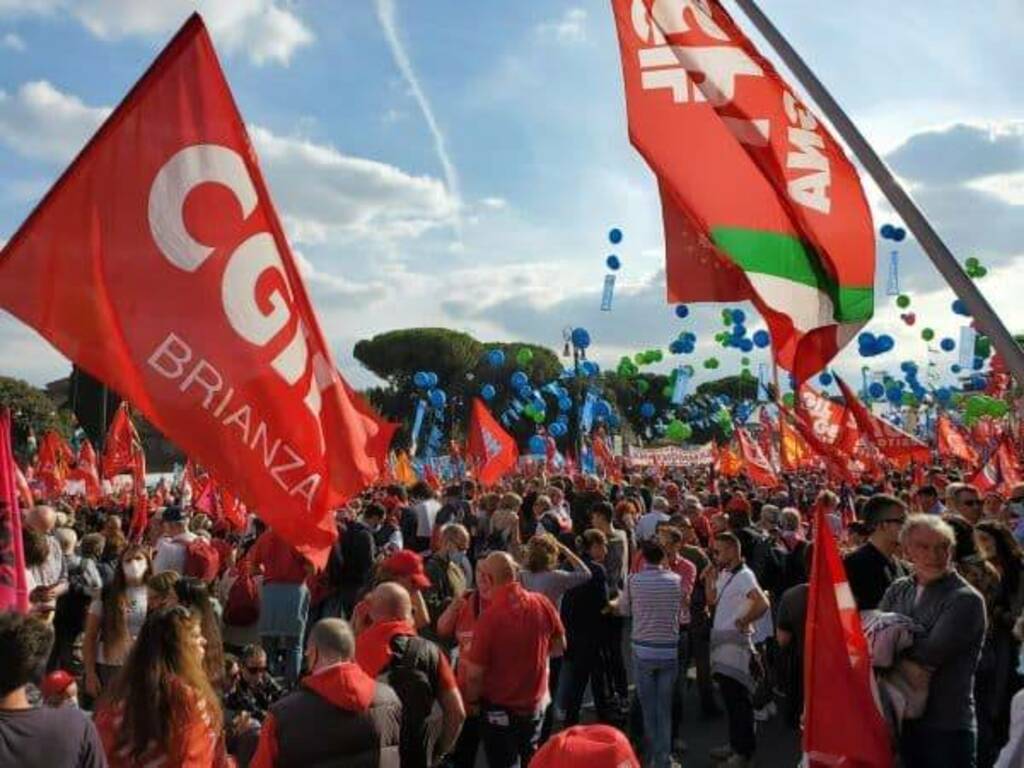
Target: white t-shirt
x,y
170,552
732,588
135,617
426,513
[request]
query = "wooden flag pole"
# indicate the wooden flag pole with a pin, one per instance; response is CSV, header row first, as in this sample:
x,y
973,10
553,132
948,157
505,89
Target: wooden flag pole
x,y
985,317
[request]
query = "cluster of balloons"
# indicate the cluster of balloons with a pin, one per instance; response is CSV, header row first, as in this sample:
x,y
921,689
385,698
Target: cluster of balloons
x,y
427,380
974,268
894,233
870,345
910,371
627,368
737,337
648,357
980,406
684,344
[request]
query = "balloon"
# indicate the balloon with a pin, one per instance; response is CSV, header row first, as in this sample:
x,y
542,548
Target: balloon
x,y
615,235
613,263
647,410
788,399
927,334
762,339
602,409
537,446
903,301
746,345
980,272
711,363
523,356
656,355
899,234
682,311
580,338
677,431
437,398
642,386
955,368
525,392
825,379
590,368
887,231
744,361
960,308
564,403
885,343
947,345
983,347
421,379
431,379
487,392
739,316
519,380
943,394
876,390
688,370
909,318
972,263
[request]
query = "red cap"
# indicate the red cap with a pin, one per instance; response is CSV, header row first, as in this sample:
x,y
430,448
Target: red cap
x,y
405,562
586,746
55,683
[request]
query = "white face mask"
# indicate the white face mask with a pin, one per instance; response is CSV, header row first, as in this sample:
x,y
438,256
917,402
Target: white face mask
x,y
134,570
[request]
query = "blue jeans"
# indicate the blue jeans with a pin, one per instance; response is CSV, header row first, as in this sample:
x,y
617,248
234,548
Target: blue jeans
x,y
655,684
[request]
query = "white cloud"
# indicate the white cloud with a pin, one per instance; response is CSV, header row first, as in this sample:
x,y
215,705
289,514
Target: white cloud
x,y
334,287
323,192
43,122
494,203
570,28
1008,187
266,30
12,42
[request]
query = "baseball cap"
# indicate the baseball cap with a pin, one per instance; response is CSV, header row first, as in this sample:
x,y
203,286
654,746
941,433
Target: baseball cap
x,y
173,514
407,563
586,746
56,683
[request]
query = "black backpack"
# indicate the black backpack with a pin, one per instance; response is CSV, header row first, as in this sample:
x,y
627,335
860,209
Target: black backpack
x,y
413,673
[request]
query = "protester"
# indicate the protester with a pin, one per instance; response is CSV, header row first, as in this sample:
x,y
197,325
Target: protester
x,y
30,736
586,746
50,577
256,689
963,500
446,569
172,546
160,590
194,595
873,566
952,616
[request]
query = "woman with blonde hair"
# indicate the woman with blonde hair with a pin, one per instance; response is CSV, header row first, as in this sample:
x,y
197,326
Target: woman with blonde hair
x,y
115,619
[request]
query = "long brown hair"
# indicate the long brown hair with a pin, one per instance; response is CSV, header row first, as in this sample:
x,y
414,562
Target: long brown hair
x,y
114,629
162,685
195,595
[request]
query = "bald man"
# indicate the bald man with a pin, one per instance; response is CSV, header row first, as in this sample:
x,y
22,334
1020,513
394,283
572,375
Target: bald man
x,y
389,650
507,663
49,579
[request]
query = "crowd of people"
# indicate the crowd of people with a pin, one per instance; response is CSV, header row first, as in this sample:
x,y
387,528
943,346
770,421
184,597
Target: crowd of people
x,y
462,625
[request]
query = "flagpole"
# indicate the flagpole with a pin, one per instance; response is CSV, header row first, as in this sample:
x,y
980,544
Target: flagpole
x,y
986,318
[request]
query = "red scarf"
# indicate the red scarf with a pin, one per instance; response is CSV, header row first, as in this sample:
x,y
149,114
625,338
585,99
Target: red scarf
x,y
373,646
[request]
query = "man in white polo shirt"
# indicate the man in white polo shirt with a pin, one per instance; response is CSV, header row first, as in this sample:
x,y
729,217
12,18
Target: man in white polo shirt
x,y
172,545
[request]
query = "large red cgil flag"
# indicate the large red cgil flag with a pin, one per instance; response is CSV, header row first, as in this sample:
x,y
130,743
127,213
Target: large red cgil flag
x,y
489,447
842,724
158,264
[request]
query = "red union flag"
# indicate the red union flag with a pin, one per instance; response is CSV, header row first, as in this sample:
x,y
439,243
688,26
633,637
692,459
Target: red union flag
x,y
490,447
759,201
898,447
951,442
757,467
158,264
122,444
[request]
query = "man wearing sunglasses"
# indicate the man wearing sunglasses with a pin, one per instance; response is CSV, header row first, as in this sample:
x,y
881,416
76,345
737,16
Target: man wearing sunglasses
x,y
963,499
873,566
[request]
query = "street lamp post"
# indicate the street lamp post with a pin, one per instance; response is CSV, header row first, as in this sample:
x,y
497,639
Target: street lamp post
x,y
575,427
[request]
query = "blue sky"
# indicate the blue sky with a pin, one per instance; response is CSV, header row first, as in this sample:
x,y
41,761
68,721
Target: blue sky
x,y
439,162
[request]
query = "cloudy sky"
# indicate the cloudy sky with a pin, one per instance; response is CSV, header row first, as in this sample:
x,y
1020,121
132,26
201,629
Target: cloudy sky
x,y
439,162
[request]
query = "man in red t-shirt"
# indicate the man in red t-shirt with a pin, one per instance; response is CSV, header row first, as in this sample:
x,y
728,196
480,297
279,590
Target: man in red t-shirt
x,y
507,664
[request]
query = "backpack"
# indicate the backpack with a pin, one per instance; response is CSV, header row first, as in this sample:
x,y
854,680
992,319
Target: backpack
x,y
413,673
242,607
202,561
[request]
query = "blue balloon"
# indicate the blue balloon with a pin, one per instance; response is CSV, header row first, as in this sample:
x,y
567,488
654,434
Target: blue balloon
x,y
519,380
613,263
538,446
437,398
960,308
564,403
615,235
885,343
647,410
943,394
590,368
562,419
746,345
602,409
580,338
487,392
431,379
979,363
762,339
887,231
682,311
955,368
496,358
738,316
876,390
421,379
676,347
947,345
898,234
825,379
525,391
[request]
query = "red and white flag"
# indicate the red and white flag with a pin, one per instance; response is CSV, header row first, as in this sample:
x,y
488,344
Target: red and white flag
x,y
755,464
121,445
1001,472
898,447
158,264
951,442
842,724
85,474
489,448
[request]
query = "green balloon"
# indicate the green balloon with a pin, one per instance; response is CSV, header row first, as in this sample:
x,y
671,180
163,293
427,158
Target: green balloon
x,y
656,355
666,392
927,334
539,417
909,399
640,358
677,431
788,399
903,301
983,347
744,361
980,272
971,262
524,356
642,385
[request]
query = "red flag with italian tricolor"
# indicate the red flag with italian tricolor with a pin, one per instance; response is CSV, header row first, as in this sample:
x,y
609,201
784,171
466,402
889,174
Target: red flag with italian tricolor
x,y
759,201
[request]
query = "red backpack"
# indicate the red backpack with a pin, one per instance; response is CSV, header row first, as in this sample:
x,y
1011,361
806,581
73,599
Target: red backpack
x,y
202,561
242,607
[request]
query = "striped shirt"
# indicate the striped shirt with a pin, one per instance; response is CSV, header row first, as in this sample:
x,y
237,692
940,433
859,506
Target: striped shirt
x,y
652,597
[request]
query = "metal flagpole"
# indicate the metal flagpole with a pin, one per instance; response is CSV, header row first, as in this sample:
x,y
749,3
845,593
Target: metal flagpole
x,y
986,318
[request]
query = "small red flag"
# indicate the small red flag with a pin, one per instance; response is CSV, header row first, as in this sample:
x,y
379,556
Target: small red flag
x,y
894,444
951,442
1001,472
842,724
490,448
754,462
121,445
53,459
13,584
86,473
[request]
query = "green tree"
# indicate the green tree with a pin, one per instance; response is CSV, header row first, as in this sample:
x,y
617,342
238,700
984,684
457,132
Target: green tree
x,y
32,411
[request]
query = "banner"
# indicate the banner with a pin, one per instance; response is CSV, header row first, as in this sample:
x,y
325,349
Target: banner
x,y
759,202
13,586
158,264
670,456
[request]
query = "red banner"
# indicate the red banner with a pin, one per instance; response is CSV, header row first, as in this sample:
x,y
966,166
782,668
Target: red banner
x,y
13,585
158,264
85,474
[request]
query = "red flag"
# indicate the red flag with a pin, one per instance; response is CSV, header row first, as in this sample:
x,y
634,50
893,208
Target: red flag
x,y
490,448
53,459
754,462
24,491
232,510
895,445
121,445
158,264
836,463
13,585
86,473
951,442
832,424
794,452
727,463
842,725
1001,472
759,201
140,496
